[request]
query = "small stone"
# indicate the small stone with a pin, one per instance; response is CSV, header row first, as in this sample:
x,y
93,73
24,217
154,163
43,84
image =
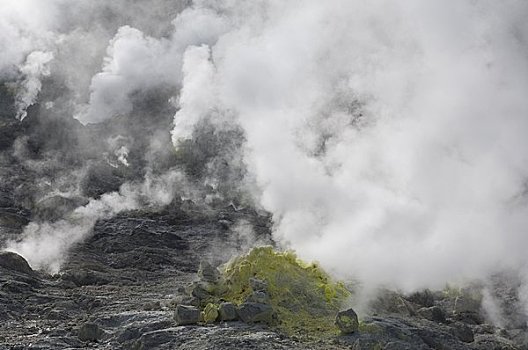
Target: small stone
x,y
258,285
14,262
208,273
255,312
347,321
90,332
433,313
210,313
227,312
185,315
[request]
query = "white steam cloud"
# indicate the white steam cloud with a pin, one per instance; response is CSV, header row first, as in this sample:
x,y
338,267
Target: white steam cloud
x,y
35,67
135,62
389,140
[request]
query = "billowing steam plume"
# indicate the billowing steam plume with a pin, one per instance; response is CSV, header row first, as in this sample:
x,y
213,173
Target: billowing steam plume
x,y
389,140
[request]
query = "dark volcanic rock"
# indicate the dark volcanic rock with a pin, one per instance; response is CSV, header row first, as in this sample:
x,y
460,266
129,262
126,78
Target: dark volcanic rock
x,y
390,302
15,262
433,313
255,312
185,314
463,332
227,312
347,321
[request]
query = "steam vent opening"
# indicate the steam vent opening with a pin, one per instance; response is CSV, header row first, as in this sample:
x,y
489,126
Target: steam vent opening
x,y
200,174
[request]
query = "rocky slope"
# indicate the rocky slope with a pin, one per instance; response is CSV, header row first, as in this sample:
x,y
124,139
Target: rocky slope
x,y
119,289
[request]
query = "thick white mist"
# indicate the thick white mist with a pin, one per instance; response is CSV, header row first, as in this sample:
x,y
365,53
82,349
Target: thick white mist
x,y
389,141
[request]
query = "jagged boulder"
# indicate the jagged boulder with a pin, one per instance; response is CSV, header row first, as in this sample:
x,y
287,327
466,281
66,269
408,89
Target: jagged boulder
x,y
227,312
433,313
13,261
463,332
390,302
186,314
347,321
255,312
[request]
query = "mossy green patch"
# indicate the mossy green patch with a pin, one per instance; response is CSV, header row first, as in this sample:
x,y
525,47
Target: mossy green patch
x,y
303,296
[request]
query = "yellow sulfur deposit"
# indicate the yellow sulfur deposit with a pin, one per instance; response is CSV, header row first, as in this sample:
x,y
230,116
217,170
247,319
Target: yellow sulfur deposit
x,y
210,313
303,296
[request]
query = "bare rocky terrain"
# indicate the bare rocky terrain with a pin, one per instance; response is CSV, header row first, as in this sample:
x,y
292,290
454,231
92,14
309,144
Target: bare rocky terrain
x,y
128,276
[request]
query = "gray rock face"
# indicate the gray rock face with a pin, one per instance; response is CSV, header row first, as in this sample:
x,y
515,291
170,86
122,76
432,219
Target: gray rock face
x,y
463,332
227,312
255,312
347,321
433,313
390,302
90,332
14,262
185,315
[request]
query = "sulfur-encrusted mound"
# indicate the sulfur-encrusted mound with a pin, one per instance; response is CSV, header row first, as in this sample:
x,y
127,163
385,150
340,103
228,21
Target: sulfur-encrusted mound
x,y
304,298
